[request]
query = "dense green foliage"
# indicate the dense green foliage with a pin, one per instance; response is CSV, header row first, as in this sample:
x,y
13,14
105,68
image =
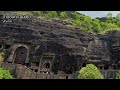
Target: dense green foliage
x,y
90,72
118,75
85,23
5,74
63,15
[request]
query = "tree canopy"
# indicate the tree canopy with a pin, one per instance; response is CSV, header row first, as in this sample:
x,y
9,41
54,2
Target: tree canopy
x,y
5,74
90,72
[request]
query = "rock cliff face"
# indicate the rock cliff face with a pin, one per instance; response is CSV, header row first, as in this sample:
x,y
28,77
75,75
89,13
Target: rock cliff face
x,y
113,43
72,48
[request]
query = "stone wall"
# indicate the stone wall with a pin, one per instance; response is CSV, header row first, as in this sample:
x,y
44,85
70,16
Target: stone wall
x,y
22,72
109,74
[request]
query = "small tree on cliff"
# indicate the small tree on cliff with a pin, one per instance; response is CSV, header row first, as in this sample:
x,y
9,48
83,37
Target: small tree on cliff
x,y
90,72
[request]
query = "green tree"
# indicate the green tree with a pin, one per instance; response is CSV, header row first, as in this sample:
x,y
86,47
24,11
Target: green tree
x,y
5,74
63,14
118,23
1,73
109,21
37,13
77,23
117,75
51,14
90,72
118,17
103,25
96,26
76,16
111,25
114,20
109,16
87,21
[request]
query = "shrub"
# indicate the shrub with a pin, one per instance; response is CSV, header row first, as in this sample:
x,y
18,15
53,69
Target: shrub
x,y
63,14
117,75
54,13
90,72
37,13
76,16
51,14
5,74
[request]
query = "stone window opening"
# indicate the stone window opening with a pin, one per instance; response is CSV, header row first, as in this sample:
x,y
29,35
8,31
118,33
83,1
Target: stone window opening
x,y
0,46
68,71
84,64
27,64
42,33
9,62
21,52
100,67
47,65
106,67
114,66
66,77
36,70
34,64
37,64
46,72
7,46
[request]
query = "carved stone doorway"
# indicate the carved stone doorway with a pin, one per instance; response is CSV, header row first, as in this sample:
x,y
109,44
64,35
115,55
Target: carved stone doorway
x,y
20,55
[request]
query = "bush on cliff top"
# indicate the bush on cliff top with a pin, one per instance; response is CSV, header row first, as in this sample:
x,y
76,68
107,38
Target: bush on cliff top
x,y
85,23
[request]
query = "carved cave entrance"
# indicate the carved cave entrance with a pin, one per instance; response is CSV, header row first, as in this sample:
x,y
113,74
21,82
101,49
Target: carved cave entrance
x,y
20,55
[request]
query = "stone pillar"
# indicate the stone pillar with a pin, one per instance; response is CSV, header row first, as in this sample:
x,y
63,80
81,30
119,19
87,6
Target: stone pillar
x,y
10,58
39,68
102,67
27,59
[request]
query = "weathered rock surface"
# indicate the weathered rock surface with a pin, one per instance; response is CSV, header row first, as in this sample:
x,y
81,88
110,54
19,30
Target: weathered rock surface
x,y
113,45
72,47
